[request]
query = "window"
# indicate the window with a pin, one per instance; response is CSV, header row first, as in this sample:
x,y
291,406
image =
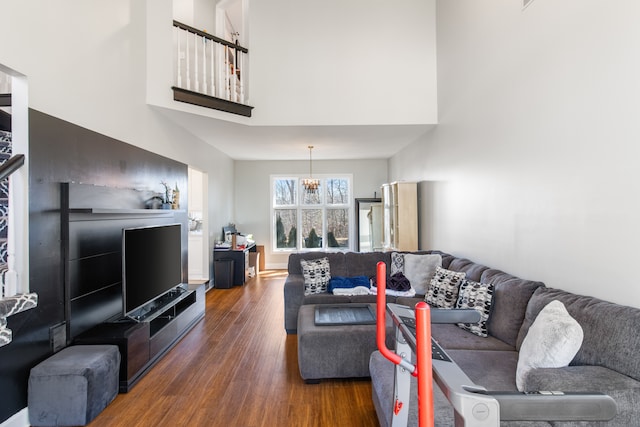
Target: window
x,y
311,221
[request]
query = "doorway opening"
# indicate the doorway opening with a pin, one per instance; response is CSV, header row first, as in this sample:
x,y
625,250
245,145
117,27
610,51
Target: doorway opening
x,y
198,226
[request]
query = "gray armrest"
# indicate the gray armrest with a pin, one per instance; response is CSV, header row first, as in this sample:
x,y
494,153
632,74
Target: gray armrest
x,y
293,297
622,388
454,315
555,406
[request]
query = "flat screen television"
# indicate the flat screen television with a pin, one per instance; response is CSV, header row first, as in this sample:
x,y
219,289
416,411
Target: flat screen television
x,y
151,264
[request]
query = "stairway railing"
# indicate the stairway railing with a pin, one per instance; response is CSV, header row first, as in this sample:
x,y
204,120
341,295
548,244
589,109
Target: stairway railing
x,y
208,65
10,302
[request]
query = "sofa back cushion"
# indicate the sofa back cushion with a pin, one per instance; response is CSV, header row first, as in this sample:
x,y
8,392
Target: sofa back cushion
x,y
510,298
611,337
336,262
364,263
472,270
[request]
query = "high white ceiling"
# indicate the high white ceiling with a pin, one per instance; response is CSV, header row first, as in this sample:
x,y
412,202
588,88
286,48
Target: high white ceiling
x,y
364,89
244,142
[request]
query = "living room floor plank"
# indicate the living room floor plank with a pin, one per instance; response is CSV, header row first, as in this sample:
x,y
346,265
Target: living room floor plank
x,y
238,367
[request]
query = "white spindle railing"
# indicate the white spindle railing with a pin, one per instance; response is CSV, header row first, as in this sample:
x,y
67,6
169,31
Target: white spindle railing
x,y
208,65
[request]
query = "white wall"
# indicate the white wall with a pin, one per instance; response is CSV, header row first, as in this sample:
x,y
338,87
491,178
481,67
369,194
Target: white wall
x,y
88,66
253,194
317,62
200,14
533,167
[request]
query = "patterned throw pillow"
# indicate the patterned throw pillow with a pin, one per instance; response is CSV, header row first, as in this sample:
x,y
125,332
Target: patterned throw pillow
x,y
443,289
397,263
477,296
316,274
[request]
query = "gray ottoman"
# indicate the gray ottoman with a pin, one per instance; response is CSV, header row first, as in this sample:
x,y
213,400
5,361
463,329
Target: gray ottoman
x,y
340,351
74,385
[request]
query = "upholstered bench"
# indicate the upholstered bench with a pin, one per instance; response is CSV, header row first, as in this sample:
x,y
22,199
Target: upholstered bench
x,y
74,385
334,351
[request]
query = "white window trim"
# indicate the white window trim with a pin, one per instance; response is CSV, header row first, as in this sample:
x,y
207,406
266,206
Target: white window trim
x,y
300,207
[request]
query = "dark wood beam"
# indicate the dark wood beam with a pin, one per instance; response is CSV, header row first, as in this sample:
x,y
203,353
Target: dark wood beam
x,y
212,102
5,100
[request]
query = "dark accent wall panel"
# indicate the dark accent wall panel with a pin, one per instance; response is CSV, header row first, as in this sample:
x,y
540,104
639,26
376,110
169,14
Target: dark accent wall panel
x,y
60,151
90,274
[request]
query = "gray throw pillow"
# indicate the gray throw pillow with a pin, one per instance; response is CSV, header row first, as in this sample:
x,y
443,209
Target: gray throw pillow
x,y
420,269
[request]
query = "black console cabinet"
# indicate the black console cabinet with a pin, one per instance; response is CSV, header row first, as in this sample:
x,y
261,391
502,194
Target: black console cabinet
x,y
92,219
240,259
142,344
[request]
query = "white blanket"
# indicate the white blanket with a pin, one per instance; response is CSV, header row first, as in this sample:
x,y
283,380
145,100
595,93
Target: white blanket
x,y
358,290
410,293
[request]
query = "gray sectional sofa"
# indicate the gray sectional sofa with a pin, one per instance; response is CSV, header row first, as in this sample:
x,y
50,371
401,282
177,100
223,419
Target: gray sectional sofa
x,y
345,264
608,360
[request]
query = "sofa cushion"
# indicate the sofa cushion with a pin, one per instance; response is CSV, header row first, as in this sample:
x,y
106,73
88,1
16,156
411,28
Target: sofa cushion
x,y
472,270
552,341
477,296
317,274
452,337
446,258
325,298
495,370
599,319
420,269
443,289
510,298
363,263
622,388
336,260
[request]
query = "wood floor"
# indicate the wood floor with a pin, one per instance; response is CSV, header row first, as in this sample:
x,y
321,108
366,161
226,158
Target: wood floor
x,y
238,367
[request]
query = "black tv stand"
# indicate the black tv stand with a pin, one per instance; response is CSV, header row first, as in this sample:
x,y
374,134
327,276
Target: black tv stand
x,y
160,305
143,341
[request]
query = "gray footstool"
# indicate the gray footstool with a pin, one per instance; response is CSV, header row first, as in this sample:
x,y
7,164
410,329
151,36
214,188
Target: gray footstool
x,y
334,351
74,385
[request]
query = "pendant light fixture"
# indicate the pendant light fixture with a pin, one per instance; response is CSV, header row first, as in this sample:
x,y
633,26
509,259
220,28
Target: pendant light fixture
x,y
310,185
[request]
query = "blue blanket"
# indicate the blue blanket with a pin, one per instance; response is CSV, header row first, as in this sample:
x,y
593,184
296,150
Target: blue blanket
x,y
347,282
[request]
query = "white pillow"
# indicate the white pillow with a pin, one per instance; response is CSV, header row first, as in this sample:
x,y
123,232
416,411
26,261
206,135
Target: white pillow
x,y
419,269
553,340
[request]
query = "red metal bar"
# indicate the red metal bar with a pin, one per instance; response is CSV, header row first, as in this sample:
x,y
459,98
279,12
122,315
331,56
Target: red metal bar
x,y
381,309
425,373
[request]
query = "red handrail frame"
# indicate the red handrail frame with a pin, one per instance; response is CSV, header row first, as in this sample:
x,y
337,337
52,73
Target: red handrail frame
x,y
423,369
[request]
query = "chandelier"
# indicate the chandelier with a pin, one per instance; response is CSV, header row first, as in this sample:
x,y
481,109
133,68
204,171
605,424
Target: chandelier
x,y
310,185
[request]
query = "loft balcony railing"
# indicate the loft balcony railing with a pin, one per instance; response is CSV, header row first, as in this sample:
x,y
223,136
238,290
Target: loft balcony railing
x,y
209,71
